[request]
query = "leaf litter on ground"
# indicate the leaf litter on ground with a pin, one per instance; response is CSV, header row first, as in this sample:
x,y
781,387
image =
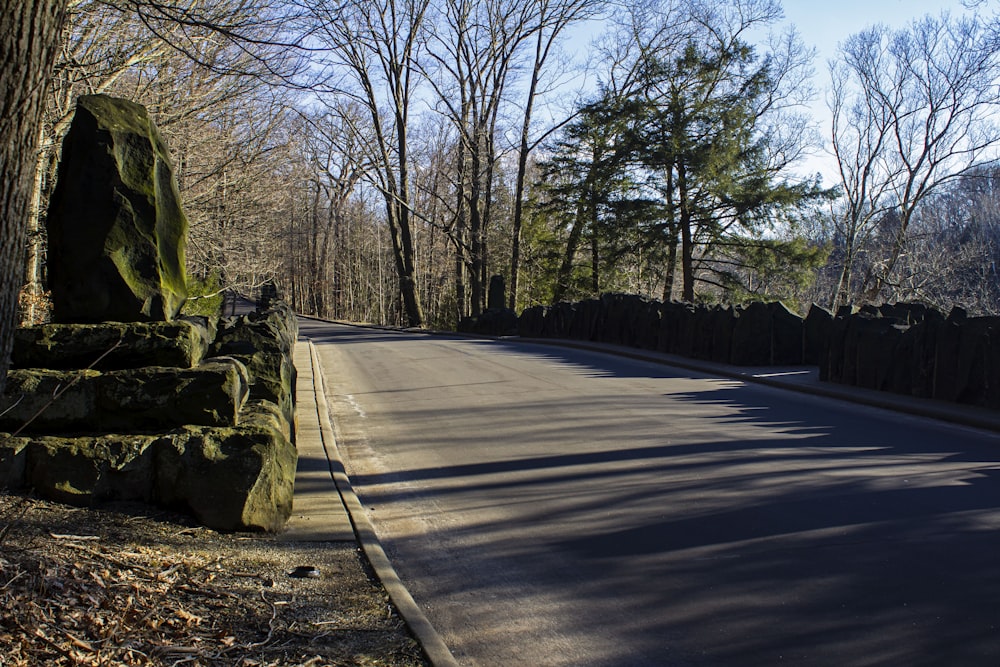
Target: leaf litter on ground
x,y
129,585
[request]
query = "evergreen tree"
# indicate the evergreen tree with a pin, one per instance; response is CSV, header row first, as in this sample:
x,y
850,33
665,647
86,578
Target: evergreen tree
x,y
590,188
684,157
700,135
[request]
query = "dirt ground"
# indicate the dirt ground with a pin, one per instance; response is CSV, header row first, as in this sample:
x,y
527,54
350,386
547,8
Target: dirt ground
x,y
134,586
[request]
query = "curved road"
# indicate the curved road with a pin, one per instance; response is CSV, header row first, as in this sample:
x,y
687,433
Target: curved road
x,y
549,506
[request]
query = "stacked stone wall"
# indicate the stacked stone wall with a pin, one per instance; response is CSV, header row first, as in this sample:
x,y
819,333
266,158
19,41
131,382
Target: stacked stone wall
x,y
904,348
917,351
194,415
754,335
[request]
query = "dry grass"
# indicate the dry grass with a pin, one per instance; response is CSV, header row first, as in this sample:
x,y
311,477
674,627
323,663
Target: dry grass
x,y
137,587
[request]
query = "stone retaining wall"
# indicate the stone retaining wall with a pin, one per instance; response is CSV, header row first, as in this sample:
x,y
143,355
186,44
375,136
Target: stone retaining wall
x,y
192,415
754,335
903,348
916,351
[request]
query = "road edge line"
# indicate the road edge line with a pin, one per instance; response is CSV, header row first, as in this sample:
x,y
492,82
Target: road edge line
x,y
433,645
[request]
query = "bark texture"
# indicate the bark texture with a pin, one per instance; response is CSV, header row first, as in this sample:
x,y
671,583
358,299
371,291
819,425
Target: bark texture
x,y
29,32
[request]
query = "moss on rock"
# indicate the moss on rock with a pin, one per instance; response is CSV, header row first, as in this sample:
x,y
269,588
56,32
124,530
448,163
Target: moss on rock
x,y
230,478
264,343
116,229
126,401
180,344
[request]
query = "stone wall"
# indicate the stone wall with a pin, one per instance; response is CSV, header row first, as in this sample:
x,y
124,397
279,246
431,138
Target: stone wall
x,y
754,335
917,351
196,415
903,348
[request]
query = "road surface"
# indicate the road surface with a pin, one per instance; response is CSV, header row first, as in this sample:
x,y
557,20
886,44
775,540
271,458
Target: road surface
x,y
549,507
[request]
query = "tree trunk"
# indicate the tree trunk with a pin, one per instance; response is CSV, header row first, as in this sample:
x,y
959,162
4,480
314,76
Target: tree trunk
x,y
595,250
687,245
29,33
399,223
595,264
671,270
522,169
476,231
34,277
586,210
566,266
882,277
842,291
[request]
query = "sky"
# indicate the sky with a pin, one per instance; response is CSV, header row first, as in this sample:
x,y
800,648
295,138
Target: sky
x,y
824,23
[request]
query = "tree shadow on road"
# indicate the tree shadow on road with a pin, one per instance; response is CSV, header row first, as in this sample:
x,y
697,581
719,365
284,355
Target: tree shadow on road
x,y
788,528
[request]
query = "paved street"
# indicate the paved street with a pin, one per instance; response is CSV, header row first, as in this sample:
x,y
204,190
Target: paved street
x,y
549,506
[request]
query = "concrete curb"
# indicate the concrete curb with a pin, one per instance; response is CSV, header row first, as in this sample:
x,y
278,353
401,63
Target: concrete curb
x,y
434,647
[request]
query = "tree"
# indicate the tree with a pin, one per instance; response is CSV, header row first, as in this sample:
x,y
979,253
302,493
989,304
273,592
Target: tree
x,y
554,17
372,49
952,254
474,47
716,125
29,34
478,51
712,125
333,171
588,183
913,109
190,66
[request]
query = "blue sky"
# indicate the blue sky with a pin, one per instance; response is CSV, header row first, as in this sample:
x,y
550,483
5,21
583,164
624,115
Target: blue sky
x,y
823,24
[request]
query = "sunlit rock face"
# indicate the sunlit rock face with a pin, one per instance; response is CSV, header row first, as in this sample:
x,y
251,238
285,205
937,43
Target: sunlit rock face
x,y
116,229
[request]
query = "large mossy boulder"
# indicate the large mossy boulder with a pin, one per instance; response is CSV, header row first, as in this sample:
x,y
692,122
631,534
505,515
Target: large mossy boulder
x,y
230,478
112,345
116,230
263,342
135,400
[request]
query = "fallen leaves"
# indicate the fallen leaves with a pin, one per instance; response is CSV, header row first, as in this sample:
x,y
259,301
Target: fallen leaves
x,y
124,590
101,608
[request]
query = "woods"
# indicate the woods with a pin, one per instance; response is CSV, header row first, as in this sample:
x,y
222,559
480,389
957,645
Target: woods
x,y
379,161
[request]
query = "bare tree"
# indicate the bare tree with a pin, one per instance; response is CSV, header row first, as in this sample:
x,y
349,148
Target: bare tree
x,y
191,66
952,254
913,109
554,17
474,48
479,51
375,45
330,144
860,133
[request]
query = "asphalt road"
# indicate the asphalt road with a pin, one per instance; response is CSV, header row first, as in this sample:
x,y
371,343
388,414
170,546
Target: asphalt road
x,y
549,506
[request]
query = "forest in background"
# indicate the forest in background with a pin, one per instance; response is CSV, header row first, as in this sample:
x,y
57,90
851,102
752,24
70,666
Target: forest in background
x,y
379,160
